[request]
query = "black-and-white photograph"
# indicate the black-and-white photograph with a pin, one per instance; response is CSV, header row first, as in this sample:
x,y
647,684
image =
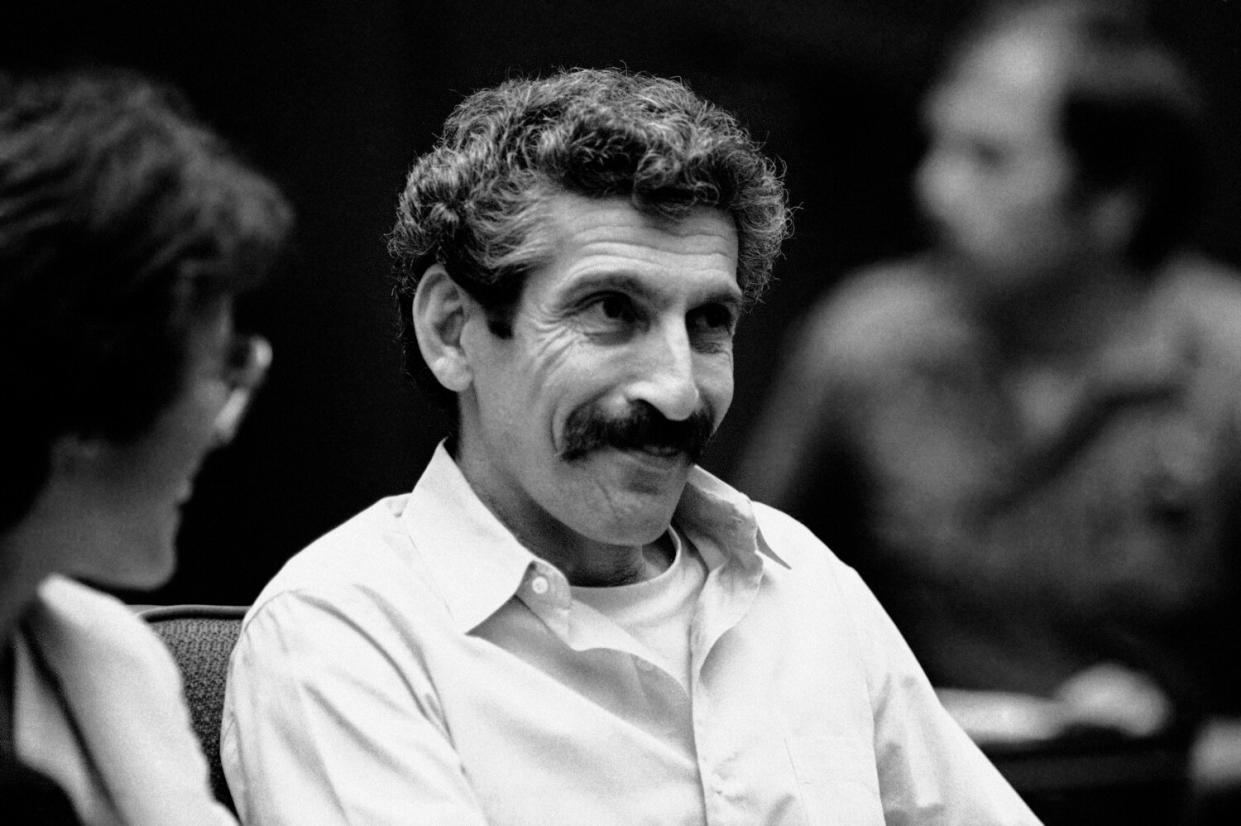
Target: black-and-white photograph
x,y
621,412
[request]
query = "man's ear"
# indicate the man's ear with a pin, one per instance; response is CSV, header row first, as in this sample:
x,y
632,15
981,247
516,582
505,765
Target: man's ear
x,y
439,313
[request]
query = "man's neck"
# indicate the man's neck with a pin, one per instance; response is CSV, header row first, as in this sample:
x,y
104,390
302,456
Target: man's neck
x,y
607,566
1062,327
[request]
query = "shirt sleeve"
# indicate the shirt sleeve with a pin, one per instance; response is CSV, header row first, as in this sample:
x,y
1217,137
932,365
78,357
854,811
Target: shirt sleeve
x,y
930,772
103,714
328,720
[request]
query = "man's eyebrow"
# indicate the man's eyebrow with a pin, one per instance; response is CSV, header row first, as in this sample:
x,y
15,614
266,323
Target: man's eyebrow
x,y
628,283
610,280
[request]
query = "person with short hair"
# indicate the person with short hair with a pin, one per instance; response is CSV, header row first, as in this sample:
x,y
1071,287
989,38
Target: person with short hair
x,y
126,229
567,620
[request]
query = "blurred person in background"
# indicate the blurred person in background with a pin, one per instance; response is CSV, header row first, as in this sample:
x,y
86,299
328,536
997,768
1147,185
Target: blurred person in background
x,y
1026,438
126,228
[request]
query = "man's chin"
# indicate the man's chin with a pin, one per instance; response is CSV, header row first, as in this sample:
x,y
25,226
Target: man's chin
x,y
637,491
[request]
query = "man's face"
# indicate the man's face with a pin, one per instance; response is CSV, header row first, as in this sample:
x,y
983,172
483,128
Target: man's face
x,y
581,427
996,183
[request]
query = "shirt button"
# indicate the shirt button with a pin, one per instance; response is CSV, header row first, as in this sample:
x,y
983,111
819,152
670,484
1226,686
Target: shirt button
x,y
539,585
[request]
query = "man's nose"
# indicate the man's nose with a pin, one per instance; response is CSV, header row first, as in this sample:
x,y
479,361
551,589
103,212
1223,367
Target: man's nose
x,y
940,182
667,381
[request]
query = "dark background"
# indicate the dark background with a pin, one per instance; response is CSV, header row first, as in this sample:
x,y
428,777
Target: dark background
x,y
335,100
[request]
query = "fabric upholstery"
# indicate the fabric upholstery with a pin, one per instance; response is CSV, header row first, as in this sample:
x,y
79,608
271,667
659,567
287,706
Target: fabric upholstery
x,y
201,638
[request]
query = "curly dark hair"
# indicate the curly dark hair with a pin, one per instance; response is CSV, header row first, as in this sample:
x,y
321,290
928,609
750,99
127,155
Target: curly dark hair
x,y
475,202
122,221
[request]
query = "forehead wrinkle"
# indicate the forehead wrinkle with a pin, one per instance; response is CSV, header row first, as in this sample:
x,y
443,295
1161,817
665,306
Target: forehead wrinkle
x,y
643,249
677,238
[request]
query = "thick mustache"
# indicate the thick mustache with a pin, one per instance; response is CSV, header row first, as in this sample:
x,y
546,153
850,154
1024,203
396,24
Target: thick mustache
x,y
642,427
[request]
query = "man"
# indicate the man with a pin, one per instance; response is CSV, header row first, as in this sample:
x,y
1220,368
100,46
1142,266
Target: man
x,y
567,621
1026,439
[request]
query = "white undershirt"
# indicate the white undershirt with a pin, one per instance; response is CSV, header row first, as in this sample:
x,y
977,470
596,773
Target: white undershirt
x,y
657,612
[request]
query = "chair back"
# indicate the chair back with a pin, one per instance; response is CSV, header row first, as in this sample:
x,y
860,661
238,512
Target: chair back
x,y
201,639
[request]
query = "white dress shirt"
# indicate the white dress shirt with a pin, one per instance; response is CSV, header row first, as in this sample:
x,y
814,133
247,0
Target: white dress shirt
x,y
98,708
419,665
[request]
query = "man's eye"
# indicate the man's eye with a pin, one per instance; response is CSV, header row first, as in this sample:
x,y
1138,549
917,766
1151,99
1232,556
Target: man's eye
x,y
612,308
715,318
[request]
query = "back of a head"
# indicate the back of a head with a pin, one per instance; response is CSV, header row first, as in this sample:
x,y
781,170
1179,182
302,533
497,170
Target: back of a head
x,y
476,202
1130,114
122,219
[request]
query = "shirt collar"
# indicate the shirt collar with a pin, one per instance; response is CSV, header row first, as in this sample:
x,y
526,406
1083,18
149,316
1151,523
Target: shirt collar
x,y
720,521
477,564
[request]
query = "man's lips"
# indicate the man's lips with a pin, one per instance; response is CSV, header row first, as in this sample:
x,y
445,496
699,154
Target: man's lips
x,y
661,458
663,451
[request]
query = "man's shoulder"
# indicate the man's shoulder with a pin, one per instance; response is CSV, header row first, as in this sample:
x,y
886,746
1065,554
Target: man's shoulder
x,y
92,620
368,550
885,314
808,576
